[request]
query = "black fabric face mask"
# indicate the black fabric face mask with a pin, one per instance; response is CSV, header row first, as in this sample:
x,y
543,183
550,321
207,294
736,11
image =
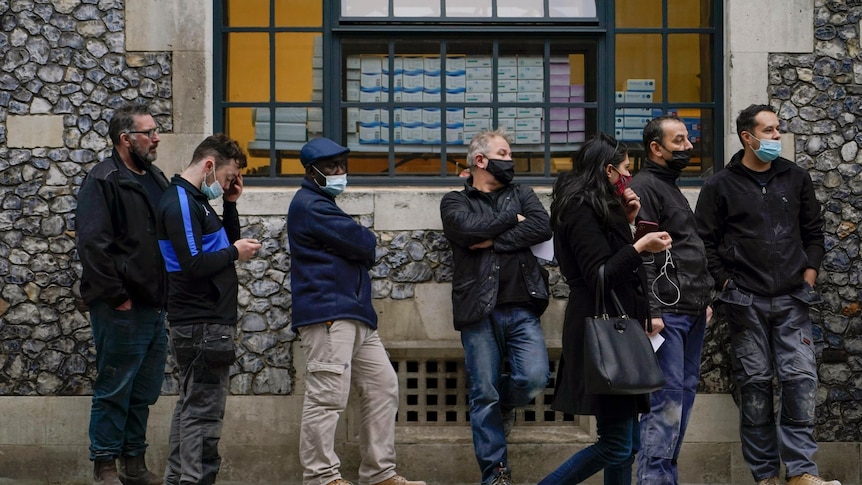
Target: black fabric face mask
x,y
502,170
679,160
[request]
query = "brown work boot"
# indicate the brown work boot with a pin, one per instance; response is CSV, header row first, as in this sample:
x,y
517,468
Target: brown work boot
x,y
339,481
770,481
399,480
105,473
134,472
809,479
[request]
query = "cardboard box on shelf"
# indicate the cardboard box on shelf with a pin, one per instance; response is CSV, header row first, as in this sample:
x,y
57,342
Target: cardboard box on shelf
x,y
430,95
369,115
456,65
559,114
640,85
529,112
431,135
531,72
558,137
507,86
635,121
431,65
476,112
431,116
410,81
507,61
431,81
638,97
577,137
560,67
369,134
577,113
455,134
507,124
476,124
370,95
412,95
478,61
559,91
479,73
454,115
456,81
411,116
508,112
531,85
411,134
528,124
455,95
528,137
530,97
560,80
477,97
510,72
353,75
479,86
351,91
370,79
530,61
413,65
558,126
352,62
371,64
577,125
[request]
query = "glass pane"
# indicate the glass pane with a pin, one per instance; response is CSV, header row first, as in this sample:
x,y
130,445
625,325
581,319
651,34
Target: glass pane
x,y
240,125
639,13
247,13
298,67
520,8
284,130
298,13
689,72
572,8
248,67
689,13
638,66
416,8
365,8
468,8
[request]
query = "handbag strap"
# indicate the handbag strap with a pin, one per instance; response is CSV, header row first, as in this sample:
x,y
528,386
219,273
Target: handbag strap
x,y
600,300
600,297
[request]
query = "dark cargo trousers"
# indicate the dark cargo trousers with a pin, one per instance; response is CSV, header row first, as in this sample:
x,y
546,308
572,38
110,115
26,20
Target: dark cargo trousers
x,y
772,336
203,354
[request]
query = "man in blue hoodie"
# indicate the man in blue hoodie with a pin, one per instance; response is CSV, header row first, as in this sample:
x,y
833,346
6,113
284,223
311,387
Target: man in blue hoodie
x,y
330,255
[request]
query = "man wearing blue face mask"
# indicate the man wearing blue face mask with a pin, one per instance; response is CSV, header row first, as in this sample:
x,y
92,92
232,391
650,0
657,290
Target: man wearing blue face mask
x,y
763,233
199,250
499,291
330,255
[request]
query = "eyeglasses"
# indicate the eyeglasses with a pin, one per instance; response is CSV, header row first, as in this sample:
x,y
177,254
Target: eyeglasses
x,y
151,133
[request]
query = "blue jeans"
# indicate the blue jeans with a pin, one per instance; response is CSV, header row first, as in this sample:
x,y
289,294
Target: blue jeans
x,y
131,347
772,336
663,428
614,452
513,333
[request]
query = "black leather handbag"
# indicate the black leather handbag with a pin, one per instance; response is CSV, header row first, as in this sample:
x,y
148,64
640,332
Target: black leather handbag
x,y
618,356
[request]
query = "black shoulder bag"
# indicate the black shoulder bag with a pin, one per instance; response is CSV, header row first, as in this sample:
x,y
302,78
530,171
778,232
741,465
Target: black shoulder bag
x,y
618,356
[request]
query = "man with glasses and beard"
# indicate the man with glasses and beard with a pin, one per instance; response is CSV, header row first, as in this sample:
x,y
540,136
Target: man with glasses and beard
x,y
124,284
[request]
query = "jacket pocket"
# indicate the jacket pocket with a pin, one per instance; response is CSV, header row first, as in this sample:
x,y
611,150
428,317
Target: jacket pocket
x,y
808,295
733,295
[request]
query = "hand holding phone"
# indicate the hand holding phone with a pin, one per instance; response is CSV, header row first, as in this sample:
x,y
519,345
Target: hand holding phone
x,y
643,228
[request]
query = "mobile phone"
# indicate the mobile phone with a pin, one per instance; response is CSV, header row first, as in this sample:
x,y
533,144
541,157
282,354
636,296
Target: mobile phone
x,y
643,228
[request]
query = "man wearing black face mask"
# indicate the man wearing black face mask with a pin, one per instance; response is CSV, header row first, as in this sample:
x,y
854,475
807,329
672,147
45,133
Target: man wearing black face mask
x,y
680,289
499,290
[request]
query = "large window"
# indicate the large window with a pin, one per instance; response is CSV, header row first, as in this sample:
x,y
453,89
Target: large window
x,y
405,83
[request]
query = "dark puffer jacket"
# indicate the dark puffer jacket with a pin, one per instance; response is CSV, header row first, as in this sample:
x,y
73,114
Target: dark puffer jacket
x,y
470,217
762,238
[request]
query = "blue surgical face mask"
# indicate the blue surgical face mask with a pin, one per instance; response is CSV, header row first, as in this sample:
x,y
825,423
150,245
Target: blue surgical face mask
x,y
335,184
769,149
213,191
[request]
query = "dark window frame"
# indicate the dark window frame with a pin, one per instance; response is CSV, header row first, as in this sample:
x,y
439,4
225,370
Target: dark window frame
x,y
334,29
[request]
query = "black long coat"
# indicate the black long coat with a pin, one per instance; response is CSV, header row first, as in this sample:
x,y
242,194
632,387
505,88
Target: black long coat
x,y
582,245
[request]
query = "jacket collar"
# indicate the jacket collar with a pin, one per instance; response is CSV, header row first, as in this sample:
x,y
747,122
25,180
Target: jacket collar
x,y
307,183
124,171
660,172
185,184
779,165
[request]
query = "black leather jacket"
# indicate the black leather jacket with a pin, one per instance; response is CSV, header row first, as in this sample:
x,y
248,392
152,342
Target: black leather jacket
x,y
686,275
115,225
469,217
761,237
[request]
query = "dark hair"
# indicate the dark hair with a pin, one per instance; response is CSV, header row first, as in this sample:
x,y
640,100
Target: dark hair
x,y
587,183
745,121
124,120
222,148
654,130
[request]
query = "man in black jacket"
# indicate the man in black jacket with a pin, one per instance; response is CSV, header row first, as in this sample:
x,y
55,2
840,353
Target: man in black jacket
x,y
199,251
763,232
499,290
679,288
123,283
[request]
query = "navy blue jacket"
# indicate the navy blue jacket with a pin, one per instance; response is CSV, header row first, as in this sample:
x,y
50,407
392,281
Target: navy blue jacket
x,y
199,256
116,237
330,255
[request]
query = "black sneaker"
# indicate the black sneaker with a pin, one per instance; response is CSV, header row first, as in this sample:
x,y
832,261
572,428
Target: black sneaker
x,y
504,477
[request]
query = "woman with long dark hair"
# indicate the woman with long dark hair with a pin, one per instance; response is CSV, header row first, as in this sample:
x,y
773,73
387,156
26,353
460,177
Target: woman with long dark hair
x,y
591,215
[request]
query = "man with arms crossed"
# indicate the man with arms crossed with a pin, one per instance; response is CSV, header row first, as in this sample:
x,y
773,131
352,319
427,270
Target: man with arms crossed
x,y
499,290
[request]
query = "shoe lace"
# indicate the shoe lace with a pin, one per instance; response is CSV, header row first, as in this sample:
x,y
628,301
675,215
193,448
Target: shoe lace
x,y
503,478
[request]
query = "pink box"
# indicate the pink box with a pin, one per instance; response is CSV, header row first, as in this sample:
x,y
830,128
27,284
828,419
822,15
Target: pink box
x,y
564,99
560,80
577,113
577,125
559,137
559,114
558,126
577,137
576,90
559,91
560,68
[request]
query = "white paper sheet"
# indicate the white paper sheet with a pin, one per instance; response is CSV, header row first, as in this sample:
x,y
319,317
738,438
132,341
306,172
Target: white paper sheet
x,y
656,341
544,250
